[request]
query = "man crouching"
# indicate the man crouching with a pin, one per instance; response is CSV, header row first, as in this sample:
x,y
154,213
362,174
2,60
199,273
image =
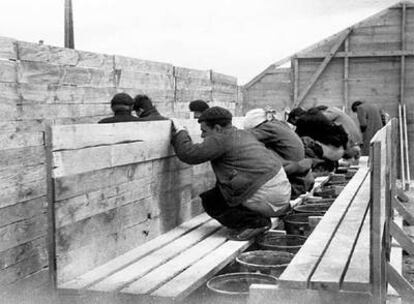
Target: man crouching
x,y
251,185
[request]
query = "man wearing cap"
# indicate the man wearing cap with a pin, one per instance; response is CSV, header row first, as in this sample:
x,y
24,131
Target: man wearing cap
x,y
197,107
251,185
121,105
145,110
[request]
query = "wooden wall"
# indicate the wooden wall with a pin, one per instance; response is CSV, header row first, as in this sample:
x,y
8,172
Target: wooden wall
x,y
366,66
117,186
41,85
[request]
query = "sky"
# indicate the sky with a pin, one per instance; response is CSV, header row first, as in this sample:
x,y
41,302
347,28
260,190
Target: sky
x,y
235,37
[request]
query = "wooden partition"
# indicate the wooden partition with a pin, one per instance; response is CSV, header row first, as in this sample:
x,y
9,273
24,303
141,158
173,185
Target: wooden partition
x,y
44,85
383,227
114,187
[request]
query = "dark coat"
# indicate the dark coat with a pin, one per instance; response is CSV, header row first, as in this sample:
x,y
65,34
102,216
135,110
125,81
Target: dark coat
x,y
370,122
121,116
240,162
151,114
279,137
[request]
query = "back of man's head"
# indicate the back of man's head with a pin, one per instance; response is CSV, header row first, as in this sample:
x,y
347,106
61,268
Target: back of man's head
x,y
295,114
198,105
355,105
142,102
121,101
216,116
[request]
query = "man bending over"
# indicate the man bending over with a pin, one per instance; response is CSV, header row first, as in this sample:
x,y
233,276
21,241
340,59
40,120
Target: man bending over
x,y
251,185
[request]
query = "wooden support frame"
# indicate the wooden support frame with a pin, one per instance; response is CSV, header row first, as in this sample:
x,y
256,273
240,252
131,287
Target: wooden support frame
x,y
295,80
376,274
407,158
360,54
400,284
321,68
50,187
346,75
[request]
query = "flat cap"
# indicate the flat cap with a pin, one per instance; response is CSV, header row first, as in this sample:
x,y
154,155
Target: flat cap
x,y
142,102
215,113
122,99
198,105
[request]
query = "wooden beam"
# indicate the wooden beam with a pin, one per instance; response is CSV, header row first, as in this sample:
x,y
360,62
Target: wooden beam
x,y
346,75
407,158
295,80
51,225
269,68
404,240
403,287
321,68
401,136
376,223
403,211
368,54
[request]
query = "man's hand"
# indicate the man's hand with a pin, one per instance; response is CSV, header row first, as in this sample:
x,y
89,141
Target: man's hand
x,y
176,125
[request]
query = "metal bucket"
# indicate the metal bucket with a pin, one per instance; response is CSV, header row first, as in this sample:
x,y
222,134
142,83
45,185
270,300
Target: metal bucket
x,y
281,242
234,287
312,208
330,191
298,223
317,200
265,261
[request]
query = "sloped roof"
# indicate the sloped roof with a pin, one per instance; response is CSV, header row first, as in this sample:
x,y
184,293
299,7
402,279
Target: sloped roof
x,y
326,43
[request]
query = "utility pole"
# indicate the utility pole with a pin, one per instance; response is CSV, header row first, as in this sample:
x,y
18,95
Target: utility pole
x,y
69,37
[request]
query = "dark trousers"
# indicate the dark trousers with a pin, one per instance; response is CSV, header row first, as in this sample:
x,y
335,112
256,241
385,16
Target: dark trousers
x,y
237,217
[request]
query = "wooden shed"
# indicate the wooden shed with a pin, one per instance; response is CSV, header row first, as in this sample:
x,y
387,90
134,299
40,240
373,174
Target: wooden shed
x,y
372,60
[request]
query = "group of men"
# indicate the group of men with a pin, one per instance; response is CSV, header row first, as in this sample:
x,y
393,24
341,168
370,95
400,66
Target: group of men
x,y
261,167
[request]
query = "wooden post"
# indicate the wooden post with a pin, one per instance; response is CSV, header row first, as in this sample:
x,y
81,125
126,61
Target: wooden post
x,y
51,239
407,158
402,162
346,75
376,259
295,80
321,68
69,36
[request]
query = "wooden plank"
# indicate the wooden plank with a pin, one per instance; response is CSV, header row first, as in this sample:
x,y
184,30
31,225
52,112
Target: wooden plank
x,y
24,210
333,265
22,232
133,272
360,54
78,234
321,68
358,272
269,294
101,157
75,185
92,135
196,275
17,254
92,203
396,257
405,213
377,226
303,264
14,140
405,241
403,287
129,257
105,247
346,75
169,270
